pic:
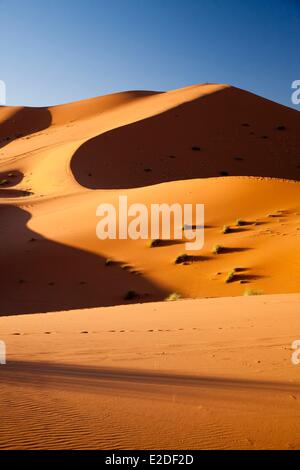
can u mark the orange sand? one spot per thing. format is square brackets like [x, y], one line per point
[214, 144]
[210, 373]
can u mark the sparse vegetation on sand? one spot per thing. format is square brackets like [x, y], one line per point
[173, 297]
[226, 229]
[249, 292]
[230, 276]
[217, 249]
[109, 262]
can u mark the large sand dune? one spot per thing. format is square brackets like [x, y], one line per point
[233, 151]
[133, 140]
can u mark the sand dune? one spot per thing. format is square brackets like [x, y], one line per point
[200, 131]
[171, 375]
[55, 179]
[187, 368]
[42, 236]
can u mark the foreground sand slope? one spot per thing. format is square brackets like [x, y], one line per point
[212, 373]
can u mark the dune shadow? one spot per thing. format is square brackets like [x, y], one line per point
[139, 154]
[245, 278]
[238, 229]
[40, 275]
[14, 193]
[228, 250]
[159, 243]
[187, 259]
[22, 123]
[260, 222]
[9, 179]
[124, 380]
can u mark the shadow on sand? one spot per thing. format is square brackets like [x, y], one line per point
[101, 379]
[161, 148]
[40, 275]
[8, 179]
[22, 123]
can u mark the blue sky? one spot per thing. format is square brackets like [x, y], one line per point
[63, 50]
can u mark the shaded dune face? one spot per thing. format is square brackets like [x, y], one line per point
[227, 133]
[22, 122]
[7, 181]
[40, 275]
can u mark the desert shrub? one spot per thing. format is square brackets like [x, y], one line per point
[217, 249]
[230, 276]
[173, 297]
[108, 262]
[226, 229]
[249, 292]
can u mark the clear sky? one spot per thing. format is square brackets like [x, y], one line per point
[57, 51]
